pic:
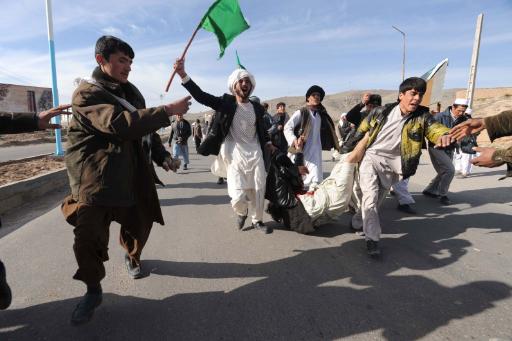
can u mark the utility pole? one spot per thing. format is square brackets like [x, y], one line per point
[474, 60]
[403, 59]
[55, 94]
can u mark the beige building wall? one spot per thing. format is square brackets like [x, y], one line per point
[15, 98]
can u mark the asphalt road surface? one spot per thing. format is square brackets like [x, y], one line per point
[21, 152]
[445, 273]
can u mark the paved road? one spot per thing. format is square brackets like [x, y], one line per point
[20, 152]
[445, 274]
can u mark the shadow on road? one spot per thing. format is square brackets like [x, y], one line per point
[317, 294]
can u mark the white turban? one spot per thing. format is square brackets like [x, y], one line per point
[236, 76]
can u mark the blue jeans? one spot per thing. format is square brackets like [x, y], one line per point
[180, 149]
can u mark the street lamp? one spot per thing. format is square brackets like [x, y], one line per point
[403, 60]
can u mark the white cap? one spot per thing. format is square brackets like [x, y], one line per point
[461, 101]
[343, 114]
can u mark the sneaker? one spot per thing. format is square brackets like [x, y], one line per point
[406, 208]
[357, 232]
[133, 270]
[185, 167]
[445, 201]
[372, 247]
[240, 221]
[430, 194]
[5, 290]
[85, 308]
[220, 181]
[259, 226]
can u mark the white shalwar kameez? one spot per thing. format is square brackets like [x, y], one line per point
[312, 148]
[242, 156]
[332, 196]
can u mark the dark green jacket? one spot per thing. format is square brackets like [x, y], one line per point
[498, 126]
[106, 163]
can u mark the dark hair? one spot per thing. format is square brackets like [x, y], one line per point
[107, 45]
[375, 99]
[280, 104]
[198, 121]
[415, 83]
[265, 105]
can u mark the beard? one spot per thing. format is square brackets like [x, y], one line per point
[243, 94]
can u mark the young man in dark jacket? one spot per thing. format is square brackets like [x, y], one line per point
[109, 172]
[13, 123]
[396, 132]
[239, 137]
[180, 132]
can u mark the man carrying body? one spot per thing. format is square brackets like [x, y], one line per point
[239, 139]
[303, 212]
[311, 130]
[110, 175]
[15, 123]
[396, 133]
[442, 158]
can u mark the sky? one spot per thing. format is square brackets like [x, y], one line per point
[338, 44]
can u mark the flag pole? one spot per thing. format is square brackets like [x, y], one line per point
[182, 56]
[55, 94]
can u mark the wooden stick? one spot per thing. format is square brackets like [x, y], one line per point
[182, 56]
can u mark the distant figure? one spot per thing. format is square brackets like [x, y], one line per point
[197, 133]
[181, 131]
[276, 131]
[442, 158]
[461, 157]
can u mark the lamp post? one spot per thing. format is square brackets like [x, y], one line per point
[403, 60]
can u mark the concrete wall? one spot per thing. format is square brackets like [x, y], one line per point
[18, 193]
[13, 98]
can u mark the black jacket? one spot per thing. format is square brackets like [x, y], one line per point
[283, 181]
[14, 123]
[225, 107]
[356, 115]
[327, 131]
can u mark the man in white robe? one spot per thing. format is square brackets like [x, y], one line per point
[310, 130]
[239, 140]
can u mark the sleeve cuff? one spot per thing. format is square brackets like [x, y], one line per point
[185, 79]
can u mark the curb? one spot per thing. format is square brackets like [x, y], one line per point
[17, 193]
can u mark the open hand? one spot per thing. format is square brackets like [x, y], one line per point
[45, 116]
[485, 157]
[468, 127]
[180, 106]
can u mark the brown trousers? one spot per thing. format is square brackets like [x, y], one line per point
[92, 234]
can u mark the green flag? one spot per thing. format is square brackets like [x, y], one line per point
[238, 61]
[225, 19]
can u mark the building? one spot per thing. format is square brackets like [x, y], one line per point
[23, 98]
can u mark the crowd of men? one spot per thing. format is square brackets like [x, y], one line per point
[278, 158]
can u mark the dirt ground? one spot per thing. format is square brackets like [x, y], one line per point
[16, 171]
[10, 140]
